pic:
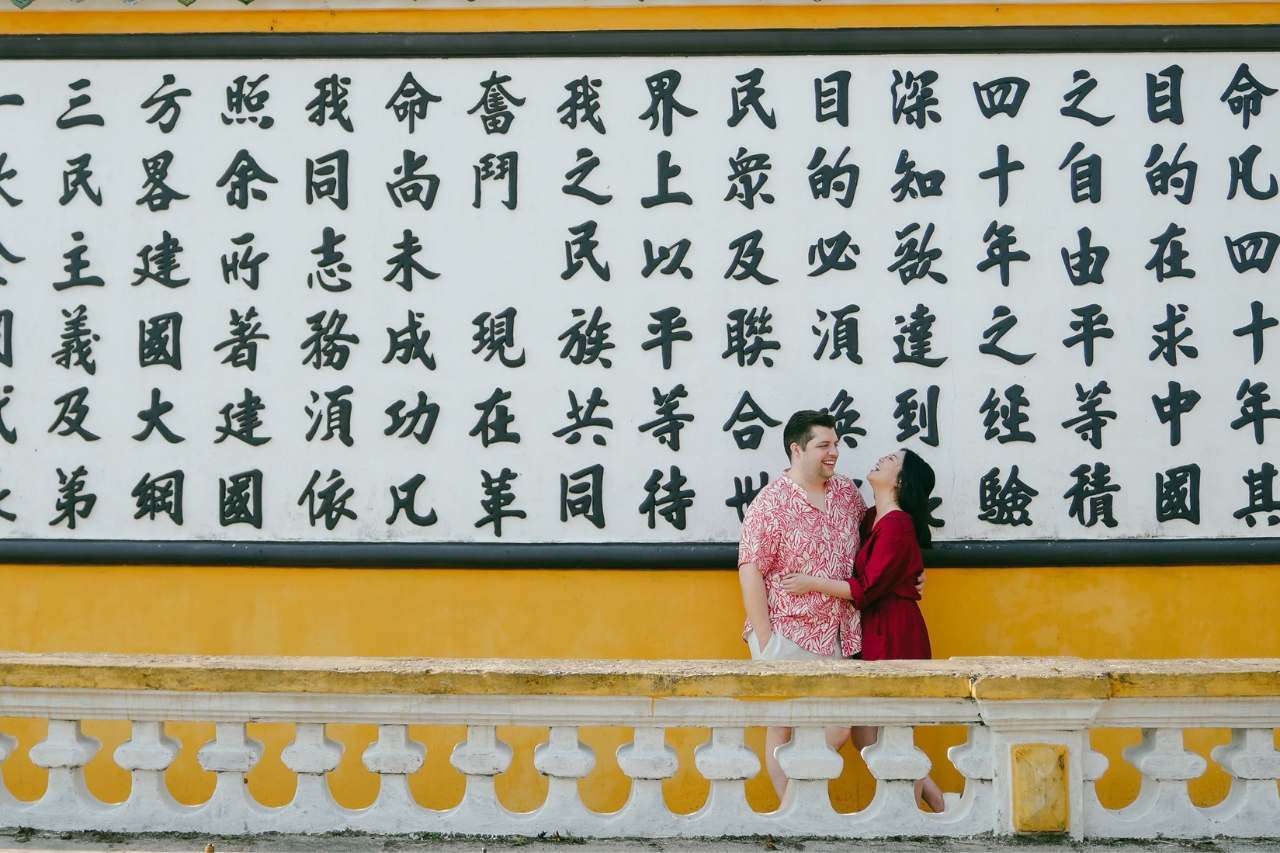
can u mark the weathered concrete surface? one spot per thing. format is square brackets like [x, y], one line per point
[18, 841]
[977, 677]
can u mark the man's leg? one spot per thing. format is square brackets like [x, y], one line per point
[774, 737]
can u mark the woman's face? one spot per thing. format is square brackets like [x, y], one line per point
[885, 474]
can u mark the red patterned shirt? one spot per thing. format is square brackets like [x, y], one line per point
[782, 532]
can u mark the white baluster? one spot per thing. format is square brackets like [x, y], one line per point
[1163, 806]
[394, 757]
[896, 763]
[67, 803]
[147, 755]
[564, 760]
[727, 763]
[311, 755]
[480, 757]
[647, 760]
[975, 760]
[810, 763]
[1252, 806]
[232, 809]
[8, 804]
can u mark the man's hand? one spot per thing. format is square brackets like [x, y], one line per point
[799, 584]
[920, 583]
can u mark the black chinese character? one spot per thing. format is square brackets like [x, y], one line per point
[231, 267]
[1164, 97]
[6, 338]
[333, 502]
[330, 102]
[1167, 261]
[830, 103]
[152, 418]
[159, 496]
[406, 502]
[327, 342]
[1163, 175]
[169, 106]
[240, 499]
[410, 343]
[1171, 409]
[244, 339]
[742, 185]
[160, 341]
[917, 333]
[496, 117]
[664, 195]
[582, 248]
[583, 416]
[1085, 266]
[498, 497]
[1178, 494]
[77, 178]
[839, 176]
[76, 264]
[587, 163]
[409, 420]
[1089, 423]
[844, 327]
[1008, 414]
[662, 100]
[1086, 175]
[1092, 324]
[914, 257]
[246, 97]
[410, 101]
[999, 250]
[916, 98]
[748, 254]
[747, 97]
[403, 264]
[585, 497]
[666, 427]
[497, 333]
[748, 410]
[329, 264]
[327, 178]
[586, 340]
[6, 174]
[745, 333]
[494, 420]
[1257, 325]
[241, 174]
[1095, 487]
[14, 259]
[158, 194]
[245, 415]
[411, 186]
[745, 493]
[583, 104]
[1001, 171]
[1004, 504]
[1004, 322]
[1244, 95]
[336, 415]
[1261, 484]
[833, 253]
[1253, 251]
[1002, 95]
[673, 255]
[669, 328]
[914, 183]
[165, 257]
[1242, 176]
[72, 414]
[1169, 341]
[77, 342]
[79, 101]
[9, 435]
[71, 502]
[846, 416]
[498, 167]
[913, 417]
[675, 500]
[1254, 397]
[1077, 95]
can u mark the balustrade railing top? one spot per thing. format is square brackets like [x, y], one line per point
[1028, 764]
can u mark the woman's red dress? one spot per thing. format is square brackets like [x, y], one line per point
[883, 588]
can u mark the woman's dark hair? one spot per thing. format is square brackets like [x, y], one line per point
[915, 485]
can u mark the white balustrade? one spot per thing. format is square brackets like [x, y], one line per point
[1001, 727]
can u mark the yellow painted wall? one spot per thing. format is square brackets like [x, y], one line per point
[1090, 612]
[1127, 612]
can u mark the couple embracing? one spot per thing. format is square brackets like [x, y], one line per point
[823, 576]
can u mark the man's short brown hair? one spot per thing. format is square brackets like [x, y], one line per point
[799, 428]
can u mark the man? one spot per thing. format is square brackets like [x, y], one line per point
[805, 521]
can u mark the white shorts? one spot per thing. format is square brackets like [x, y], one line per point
[780, 648]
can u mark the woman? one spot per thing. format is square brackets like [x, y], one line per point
[887, 570]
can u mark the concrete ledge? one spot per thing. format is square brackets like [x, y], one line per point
[977, 677]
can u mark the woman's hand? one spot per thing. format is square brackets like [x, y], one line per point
[799, 584]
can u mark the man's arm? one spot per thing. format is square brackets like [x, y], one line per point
[799, 584]
[756, 601]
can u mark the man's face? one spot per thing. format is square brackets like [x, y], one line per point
[818, 457]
